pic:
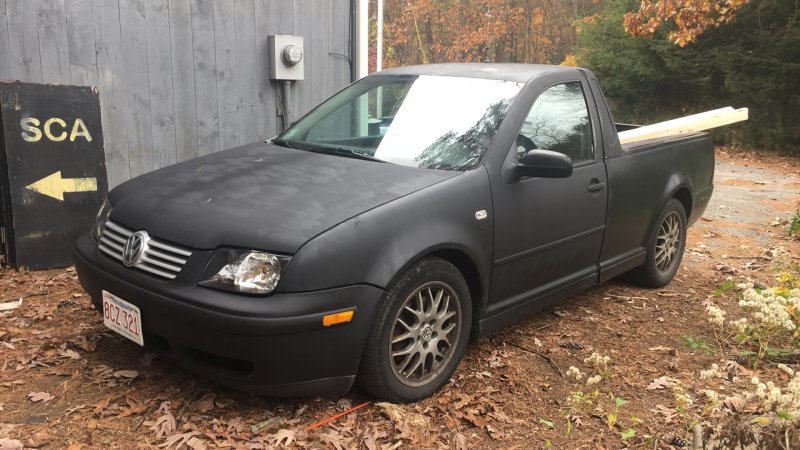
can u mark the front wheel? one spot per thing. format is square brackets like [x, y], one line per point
[665, 248]
[420, 333]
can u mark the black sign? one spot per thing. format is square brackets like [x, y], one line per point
[52, 170]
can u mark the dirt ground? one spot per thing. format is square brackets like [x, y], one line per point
[67, 382]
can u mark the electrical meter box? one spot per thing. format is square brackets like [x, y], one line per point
[285, 57]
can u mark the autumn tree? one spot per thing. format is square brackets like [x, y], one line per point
[689, 17]
[753, 61]
[526, 31]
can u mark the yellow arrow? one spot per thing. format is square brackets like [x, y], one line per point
[55, 186]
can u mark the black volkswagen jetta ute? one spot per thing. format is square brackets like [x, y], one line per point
[416, 209]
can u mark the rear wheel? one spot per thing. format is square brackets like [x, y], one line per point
[665, 249]
[419, 335]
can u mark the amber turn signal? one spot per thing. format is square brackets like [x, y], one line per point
[337, 318]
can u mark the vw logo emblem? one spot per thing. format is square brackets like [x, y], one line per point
[135, 248]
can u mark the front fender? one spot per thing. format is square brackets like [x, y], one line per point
[375, 246]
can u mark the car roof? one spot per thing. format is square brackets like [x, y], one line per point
[507, 72]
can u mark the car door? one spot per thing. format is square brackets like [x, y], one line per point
[548, 231]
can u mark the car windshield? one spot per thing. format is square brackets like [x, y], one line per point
[435, 122]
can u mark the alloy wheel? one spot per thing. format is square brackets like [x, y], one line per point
[668, 242]
[424, 333]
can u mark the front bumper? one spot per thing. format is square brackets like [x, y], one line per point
[272, 345]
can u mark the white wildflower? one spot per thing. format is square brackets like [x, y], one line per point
[786, 369]
[574, 372]
[594, 380]
[769, 309]
[740, 325]
[712, 396]
[715, 315]
[683, 399]
[598, 361]
[710, 373]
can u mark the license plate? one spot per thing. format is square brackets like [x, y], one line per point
[122, 317]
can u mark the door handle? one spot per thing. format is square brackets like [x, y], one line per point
[595, 185]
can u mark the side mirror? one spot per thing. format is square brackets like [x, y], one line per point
[545, 164]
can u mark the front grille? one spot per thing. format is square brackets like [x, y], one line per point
[160, 258]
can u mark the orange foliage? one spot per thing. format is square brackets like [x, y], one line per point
[525, 31]
[691, 17]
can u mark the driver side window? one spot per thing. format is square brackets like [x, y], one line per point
[558, 121]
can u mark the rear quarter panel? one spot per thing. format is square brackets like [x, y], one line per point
[642, 179]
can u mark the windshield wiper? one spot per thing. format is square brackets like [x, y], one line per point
[343, 151]
[283, 143]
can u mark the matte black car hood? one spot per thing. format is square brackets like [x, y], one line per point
[260, 196]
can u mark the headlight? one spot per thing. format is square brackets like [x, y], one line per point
[100, 221]
[245, 271]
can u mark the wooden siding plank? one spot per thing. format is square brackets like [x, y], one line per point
[246, 71]
[320, 27]
[266, 12]
[52, 28]
[23, 41]
[159, 66]
[339, 44]
[227, 97]
[205, 79]
[5, 51]
[180, 20]
[108, 47]
[285, 24]
[81, 43]
[133, 29]
[302, 97]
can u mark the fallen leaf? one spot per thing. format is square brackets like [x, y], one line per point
[133, 407]
[39, 439]
[735, 404]
[101, 405]
[7, 306]
[86, 346]
[371, 438]
[659, 383]
[668, 413]
[71, 354]
[267, 425]
[463, 401]
[130, 374]
[494, 433]
[177, 440]
[336, 440]
[10, 444]
[195, 443]
[400, 416]
[165, 424]
[205, 404]
[461, 441]
[283, 437]
[40, 397]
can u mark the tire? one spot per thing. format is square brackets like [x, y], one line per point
[665, 248]
[419, 334]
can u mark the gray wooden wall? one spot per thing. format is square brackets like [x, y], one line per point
[177, 78]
